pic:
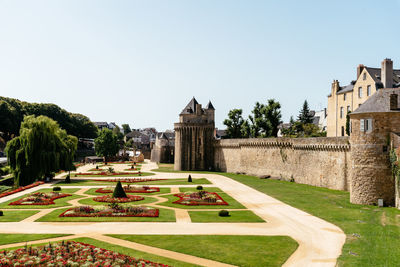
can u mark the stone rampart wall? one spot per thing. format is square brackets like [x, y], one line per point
[323, 162]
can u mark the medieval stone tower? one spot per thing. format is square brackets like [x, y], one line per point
[194, 137]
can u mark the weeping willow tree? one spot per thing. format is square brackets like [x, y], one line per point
[41, 149]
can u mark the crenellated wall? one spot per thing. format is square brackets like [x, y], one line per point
[323, 162]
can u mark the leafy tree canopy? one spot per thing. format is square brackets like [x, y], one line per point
[126, 128]
[265, 119]
[106, 144]
[41, 148]
[12, 112]
[234, 123]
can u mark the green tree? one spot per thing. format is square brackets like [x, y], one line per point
[305, 114]
[245, 129]
[41, 148]
[234, 123]
[126, 128]
[118, 133]
[106, 144]
[9, 120]
[265, 119]
[119, 191]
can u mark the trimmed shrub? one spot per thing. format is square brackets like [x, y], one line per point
[199, 187]
[223, 213]
[56, 188]
[1, 213]
[68, 179]
[97, 167]
[119, 191]
[190, 179]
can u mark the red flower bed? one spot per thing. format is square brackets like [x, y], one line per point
[22, 188]
[113, 210]
[110, 199]
[70, 253]
[129, 180]
[130, 189]
[39, 198]
[104, 173]
[199, 198]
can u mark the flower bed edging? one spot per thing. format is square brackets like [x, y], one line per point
[21, 189]
[129, 180]
[70, 253]
[127, 189]
[47, 201]
[110, 199]
[185, 199]
[91, 212]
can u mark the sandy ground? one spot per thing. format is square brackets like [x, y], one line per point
[320, 242]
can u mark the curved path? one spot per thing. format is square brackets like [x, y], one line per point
[320, 242]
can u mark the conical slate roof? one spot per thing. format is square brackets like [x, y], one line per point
[210, 105]
[191, 107]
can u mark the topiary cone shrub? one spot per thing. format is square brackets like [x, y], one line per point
[68, 179]
[199, 187]
[189, 179]
[1, 213]
[119, 191]
[223, 213]
[56, 188]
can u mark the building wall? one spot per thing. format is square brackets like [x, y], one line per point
[323, 162]
[352, 99]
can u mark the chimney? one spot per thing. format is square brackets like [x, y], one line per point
[393, 101]
[198, 109]
[359, 70]
[335, 86]
[387, 73]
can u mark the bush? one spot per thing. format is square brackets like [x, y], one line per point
[97, 167]
[189, 179]
[199, 187]
[223, 213]
[56, 188]
[68, 179]
[1, 213]
[119, 191]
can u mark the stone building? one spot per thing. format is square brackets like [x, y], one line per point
[194, 137]
[373, 128]
[163, 149]
[345, 99]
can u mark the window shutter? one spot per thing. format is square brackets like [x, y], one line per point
[361, 125]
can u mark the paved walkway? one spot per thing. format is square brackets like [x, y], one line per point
[320, 242]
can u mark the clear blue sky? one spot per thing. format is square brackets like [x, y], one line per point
[140, 62]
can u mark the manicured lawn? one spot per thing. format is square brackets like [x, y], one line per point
[143, 174]
[169, 167]
[90, 201]
[233, 204]
[79, 182]
[17, 238]
[235, 216]
[165, 216]
[163, 190]
[16, 215]
[373, 234]
[236, 250]
[60, 202]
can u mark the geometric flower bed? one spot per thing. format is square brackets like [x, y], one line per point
[113, 210]
[39, 198]
[129, 180]
[111, 199]
[130, 189]
[199, 198]
[104, 173]
[22, 188]
[69, 253]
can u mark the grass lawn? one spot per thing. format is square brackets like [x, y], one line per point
[78, 182]
[146, 200]
[16, 215]
[373, 234]
[233, 204]
[16, 238]
[143, 174]
[169, 167]
[165, 216]
[163, 190]
[235, 216]
[60, 202]
[236, 250]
